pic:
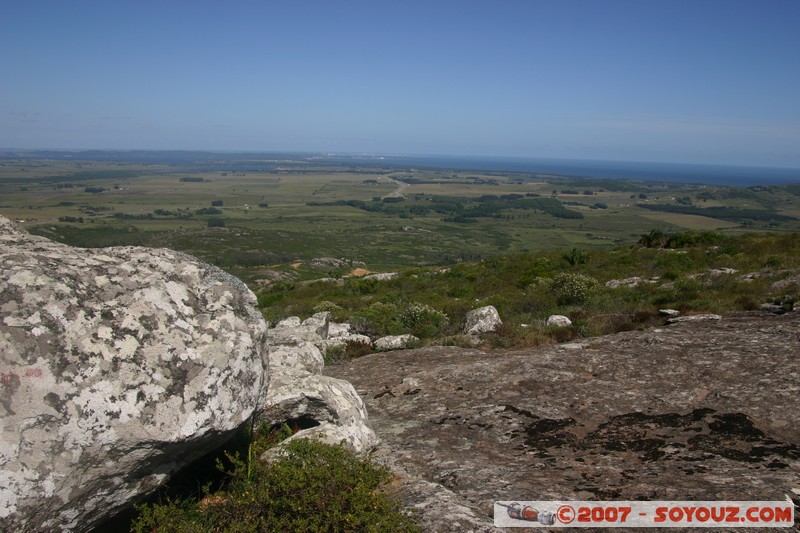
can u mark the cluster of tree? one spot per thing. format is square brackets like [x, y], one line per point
[71, 219]
[659, 239]
[731, 214]
[459, 209]
[129, 216]
[189, 179]
[94, 190]
[157, 213]
[452, 180]
[208, 211]
[488, 207]
[166, 213]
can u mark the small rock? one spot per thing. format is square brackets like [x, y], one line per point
[694, 318]
[559, 321]
[772, 308]
[721, 271]
[573, 346]
[291, 322]
[482, 320]
[395, 342]
[314, 329]
[411, 382]
[297, 353]
[784, 284]
[338, 330]
[669, 312]
[629, 282]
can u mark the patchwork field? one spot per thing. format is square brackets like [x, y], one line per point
[293, 211]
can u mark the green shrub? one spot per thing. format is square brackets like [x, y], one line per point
[378, 319]
[338, 313]
[312, 487]
[576, 257]
[423, 320]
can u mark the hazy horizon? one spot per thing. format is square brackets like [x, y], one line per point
[687, 82]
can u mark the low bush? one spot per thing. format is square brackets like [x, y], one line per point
[423, 320]
[312, 486]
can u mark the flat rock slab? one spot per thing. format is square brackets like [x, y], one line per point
[692, 411]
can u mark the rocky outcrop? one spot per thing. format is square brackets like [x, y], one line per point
[629, 282]
[314, 405]
[483, 320]
[698, 410]
[328, 263]
[382, 276]
[119, 366]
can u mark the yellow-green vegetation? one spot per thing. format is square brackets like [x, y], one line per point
[684, 271]
[505, 238]
[310, 486]
[281, 212]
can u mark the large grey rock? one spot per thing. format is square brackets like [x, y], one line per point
[482, 320]
[119, 366]
[703, 410]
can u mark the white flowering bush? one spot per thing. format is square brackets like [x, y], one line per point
[570, 288]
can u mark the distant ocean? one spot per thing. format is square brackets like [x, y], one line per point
[666, 172]
[199, 161]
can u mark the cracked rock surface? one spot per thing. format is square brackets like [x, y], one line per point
[119, 366]
[697, 410]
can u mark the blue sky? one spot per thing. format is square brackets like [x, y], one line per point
[694, 81]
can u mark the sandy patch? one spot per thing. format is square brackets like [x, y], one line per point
[359, 272]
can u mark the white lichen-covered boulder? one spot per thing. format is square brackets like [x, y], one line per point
[482, 320]
[119, 366]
